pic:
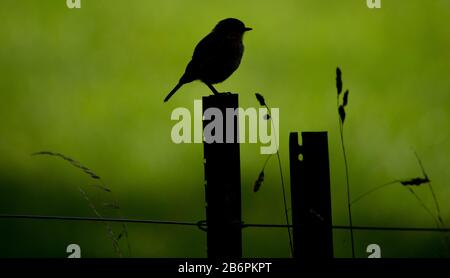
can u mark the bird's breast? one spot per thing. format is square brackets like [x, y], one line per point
[232, 53]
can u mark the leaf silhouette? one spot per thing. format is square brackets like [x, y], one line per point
[339, 81]
[259, 181]
[345, 100]
[267, 117]
[120, 235]
[342, 113]
[260, 99]
[415, 181]
[71, 161]
[101, 187]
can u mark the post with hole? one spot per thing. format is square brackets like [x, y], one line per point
[310, 196]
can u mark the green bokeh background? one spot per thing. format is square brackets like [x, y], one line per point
[89, 83]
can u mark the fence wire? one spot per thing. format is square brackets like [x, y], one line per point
[202, 224]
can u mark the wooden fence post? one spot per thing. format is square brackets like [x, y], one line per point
[310, 195]
[223, 181]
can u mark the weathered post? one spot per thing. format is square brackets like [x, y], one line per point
[223, 177]
[310, 195]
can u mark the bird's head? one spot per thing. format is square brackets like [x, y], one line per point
[231, 27]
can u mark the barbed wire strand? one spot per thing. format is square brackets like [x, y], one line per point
[202, 224]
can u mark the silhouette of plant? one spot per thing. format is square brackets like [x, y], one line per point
[260, 179]
[114, 205]
[424, 180]
[342, 116]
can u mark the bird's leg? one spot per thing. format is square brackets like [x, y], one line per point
[212, 88]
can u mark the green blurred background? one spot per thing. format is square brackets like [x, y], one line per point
[89, 83]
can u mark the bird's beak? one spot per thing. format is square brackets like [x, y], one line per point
[248, 29]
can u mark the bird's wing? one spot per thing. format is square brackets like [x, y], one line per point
[207, 48]
[206, 54]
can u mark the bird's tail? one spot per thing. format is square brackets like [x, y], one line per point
[173, 91]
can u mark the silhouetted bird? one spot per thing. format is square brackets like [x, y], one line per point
[216, 56]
